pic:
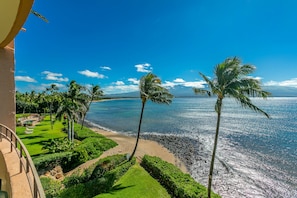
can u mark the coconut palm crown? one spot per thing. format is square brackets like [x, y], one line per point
[231, 80]
[151, 89]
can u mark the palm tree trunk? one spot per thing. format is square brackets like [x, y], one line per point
[214, 148]
[72, 130]
[51, 116]
[82, 124]
[138, 133]
[69, 129]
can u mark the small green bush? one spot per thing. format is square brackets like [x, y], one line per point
[58, 145]
[106, 164]
[77, 178]
[91, 148]
[177, 183]
[51, 187]
[103, 177]
[120, 170]
[84, 133]
[49, 161]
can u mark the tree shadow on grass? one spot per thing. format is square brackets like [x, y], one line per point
[32, 137]
[117, 188]
[39, 142]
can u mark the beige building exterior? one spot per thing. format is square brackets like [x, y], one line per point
[13, 14]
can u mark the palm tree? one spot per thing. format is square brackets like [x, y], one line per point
[231, 80]
[72, 106]
[52, 90]
[94, 92]
[151, 89]
[69, 109]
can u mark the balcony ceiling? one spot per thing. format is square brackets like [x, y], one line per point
[13, 14]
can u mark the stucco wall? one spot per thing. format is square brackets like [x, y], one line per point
[7, 86]
[4, 175]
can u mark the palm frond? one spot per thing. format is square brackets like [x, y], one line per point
[202, 91]
[246, 103]
[39, 15]
[151, 89]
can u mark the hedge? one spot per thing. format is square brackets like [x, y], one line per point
[177, 183]
[49, 161]
[92, 147]
[98, 182]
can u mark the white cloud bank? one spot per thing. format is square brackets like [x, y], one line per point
[54, 76]
[120, 87]
[286, 83]
[144, 68]
[182, 82]
[132, 85]
[24, 79]
[91, 74]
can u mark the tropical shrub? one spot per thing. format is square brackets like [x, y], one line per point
[49, 161]
[81, 134]
[58, 145]
[77, 178]
[98, 179]
[51, 187]
[177, 183]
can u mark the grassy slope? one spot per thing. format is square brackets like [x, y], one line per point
[42, 133]
[136, 183]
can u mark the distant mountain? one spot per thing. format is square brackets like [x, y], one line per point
[278, 91]
[182, 91]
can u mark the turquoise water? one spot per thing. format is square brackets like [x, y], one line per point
[262, 152]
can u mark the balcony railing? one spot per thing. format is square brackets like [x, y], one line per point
[26, 163]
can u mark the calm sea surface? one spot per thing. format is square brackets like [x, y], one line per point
[261, 152]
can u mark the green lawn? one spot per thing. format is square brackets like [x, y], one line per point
[42, 133]
[136, 183]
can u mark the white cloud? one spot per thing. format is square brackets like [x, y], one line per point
[119, 83]
[91, 74]
[169, 84]
[145, 68]
[120, 87]
[286, 83]
[195, 84]
[24, 79]
[179, 80]
[54, 76]
[256, 78]
[134, 81]
[105, 68]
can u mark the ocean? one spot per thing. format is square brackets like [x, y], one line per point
[260, 154]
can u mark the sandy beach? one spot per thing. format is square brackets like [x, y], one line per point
[126, 145]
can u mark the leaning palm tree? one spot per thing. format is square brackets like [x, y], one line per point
[151, 89]
[231, 80]
[94, 92]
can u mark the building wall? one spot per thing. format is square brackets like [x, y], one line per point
[7, 86]
[4, 176]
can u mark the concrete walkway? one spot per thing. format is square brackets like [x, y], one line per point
[19, 184]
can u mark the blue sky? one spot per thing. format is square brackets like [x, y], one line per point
[112, 43]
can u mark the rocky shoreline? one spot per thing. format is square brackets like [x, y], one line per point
[196, 157]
